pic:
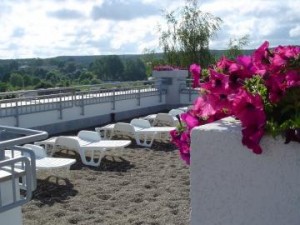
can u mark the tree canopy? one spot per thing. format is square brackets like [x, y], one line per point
[186, 38]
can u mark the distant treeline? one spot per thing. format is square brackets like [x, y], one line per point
[65, 71]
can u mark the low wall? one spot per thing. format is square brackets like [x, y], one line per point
[74, 118]
[88, 122]
[230, 185]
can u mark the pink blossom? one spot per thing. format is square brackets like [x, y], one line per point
[190, 120]
[204, 108]
[276, 85]
[292, 78]
[196, 71]
[223, 64]
[224, 94]
[218, 83]
[261, 57]
[251, 138]
[249, 109]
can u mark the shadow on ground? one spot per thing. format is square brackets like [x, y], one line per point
[53, 189]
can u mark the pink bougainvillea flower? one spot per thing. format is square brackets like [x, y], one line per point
[251, 138]
[261, 57]
[276, 84]
[292, 78]
[175, 136]
[218, 83]
[249, 109]
[185, 156]
[278, 62]
[287, 51]
[190, 120]
[203, 108]
[223, 64]
[196, 71]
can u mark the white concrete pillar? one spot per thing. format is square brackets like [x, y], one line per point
[172, 80]
[230, 185]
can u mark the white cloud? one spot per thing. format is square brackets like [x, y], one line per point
[35, 28]
[295, 32]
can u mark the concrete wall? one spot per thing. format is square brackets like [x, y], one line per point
[187, 99]
[94, 115]
[230, 185]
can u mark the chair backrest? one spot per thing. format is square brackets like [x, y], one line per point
[39, 151]
[65, 142]
[88, 135]
[175, 112]
[164, 119]
[124, 129]
[142, 123]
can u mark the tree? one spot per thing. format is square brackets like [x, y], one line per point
[43, 84]
[134, 70]
[3, 87]
[186, 39]
[54, 77]
[151, 59]
[108, 68]
[16, 80]
[235, 46]
[35, 81]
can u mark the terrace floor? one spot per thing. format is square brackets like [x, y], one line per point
[134, 186]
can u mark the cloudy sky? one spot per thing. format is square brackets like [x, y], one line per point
[49, 28]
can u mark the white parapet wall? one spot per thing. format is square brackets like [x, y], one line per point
[172, 81]
[230, 185]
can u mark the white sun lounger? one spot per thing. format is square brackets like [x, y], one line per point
[42, 161]
[88, 144]
[106, 132]
[142, 136]
[164, 119]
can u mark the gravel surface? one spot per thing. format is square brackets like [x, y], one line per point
[134, 186]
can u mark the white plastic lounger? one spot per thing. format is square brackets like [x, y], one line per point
[87, 144]
[141, 123]
[159, 133]
[90, 150]
[143, 136]
[42, 161]
[107, 131]
[175, 112]
[165, 119]
[84, 136]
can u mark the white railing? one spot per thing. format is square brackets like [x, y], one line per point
[17, 172]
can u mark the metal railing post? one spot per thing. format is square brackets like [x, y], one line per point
[82, 105]
[139, 97]
[60, 108]
[17, 115]
[114, 100]
[190, 92]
